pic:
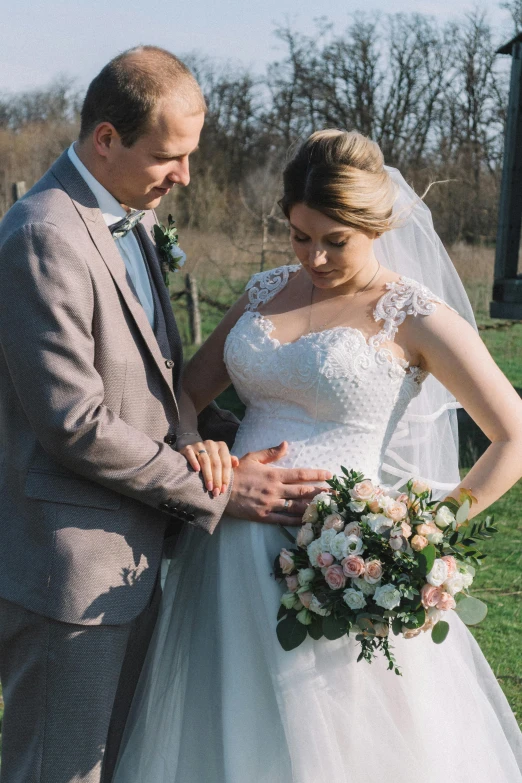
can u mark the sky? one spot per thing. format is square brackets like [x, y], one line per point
[42, 39]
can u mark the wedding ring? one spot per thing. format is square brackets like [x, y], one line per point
[286, 504]
[202, 451]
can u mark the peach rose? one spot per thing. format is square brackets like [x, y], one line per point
[446, 602]
[403, 497]
[333, 522]
[305, 535]
[395, 510]
[364, 490]
[286, 561]
[353, 529]
[451, 563]
[305, 598]
[325, 559]
[430, 531]
[430, 596]
[353, 566]
[406, 529]
[374, 506]
[292, 583]
[335, 578]
[372, 571]
[418, 487]
[418, 543]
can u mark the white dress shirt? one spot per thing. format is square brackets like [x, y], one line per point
[128, 245]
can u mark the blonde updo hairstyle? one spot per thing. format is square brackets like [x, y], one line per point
[342, 175]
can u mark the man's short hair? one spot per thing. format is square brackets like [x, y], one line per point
[127, 90]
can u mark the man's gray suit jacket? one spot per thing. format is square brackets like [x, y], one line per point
[88, 477]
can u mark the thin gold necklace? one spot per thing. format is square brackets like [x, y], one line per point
[355, 293]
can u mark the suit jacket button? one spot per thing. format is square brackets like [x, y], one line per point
[169, 439]
[169, 364]
[164, 507]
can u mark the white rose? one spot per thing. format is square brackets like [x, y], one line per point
[304, 617]
[313, 551]
[444, 517]
[378, 522]
[364, 586]
[354, 545]
[458, 582]
[340, 546]
[438, 574]
[387, 596]
[354, 598]
[177, 254]
[326, 498]
[318, 608]
[305, 576]
[290, 600]
[327, 537]
[357, 505]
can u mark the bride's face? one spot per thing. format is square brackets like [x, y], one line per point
[333, 254]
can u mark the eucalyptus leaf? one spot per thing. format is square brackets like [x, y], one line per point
[439, 631]
[315, 630]
[334, 627]
[471, 611]
[426, 558]
[291, 633]
[463, 512]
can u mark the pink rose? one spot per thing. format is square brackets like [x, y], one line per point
[406, 529]
[292, 583]
[353, 529]
[364, 490]
[325, 559]
[395, 510]
[305, 535]
[333, 522]
[425, 529]
[446, 602]
[403, 498]
[451, 563]
[353, 566]
[430, 596]
[305, 598]
[372, 571]
[418, 543]
[335, 578]
[286, 561]
[374, 506]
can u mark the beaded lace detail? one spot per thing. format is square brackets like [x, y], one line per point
[329, 393]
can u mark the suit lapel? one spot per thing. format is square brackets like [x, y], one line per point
[87, 207]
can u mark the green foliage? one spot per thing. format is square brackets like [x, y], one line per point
[439, 631]
[471, 610]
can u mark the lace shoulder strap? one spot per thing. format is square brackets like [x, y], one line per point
[263, 286]
[404, 297]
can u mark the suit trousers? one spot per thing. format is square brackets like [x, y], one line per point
[67, 691]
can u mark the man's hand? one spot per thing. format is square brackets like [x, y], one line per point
[263, 493]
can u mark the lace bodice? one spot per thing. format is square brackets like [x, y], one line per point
[333, 395]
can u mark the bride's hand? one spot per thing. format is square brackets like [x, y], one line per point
[215, 462]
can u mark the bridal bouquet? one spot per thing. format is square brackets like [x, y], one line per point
[369, 559]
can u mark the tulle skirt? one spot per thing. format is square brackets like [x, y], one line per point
[220, 702]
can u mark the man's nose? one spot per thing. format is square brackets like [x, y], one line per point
[180, 173]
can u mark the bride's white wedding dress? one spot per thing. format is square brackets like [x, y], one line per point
[219, 701]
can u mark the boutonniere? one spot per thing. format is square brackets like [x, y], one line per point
[167, 242]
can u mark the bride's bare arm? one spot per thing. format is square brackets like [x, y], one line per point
[452, 351]
[205, 375]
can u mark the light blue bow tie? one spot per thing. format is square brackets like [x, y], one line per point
[126, 224]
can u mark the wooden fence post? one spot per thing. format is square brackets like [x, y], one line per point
[18, 190]
[193, 309]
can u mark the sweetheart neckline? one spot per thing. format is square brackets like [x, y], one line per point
[402, 364]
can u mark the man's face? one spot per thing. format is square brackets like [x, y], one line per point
[141, 175]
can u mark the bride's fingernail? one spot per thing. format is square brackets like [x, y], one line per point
[224, 488]
[216, 492]
[210, 486]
